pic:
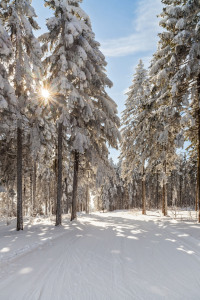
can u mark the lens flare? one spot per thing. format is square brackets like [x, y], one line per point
[45, 93]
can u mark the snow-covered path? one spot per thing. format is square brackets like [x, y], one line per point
[112, 256]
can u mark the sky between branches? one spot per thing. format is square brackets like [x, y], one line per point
[127, 31]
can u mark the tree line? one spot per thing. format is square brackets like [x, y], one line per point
[162, 110]
[54, 152]
[46, 144]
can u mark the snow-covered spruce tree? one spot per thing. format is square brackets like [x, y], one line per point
[162, 147]
[8, 101]
[76, 70]
[186, 80]
[134, 149]
[18, 18]
[167, 112]
[181, 20]
[8, 116]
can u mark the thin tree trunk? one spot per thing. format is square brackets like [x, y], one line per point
[55, 184]
[34, 187]
[135, 196]
[31, 192]
[180, 191]
[198, 164]
[12, 207]
[75, 185]
[133, 200]
[46, 199]
[67, 196]
[98, 203]
[143, 195]
[197, 192]
[164, 197]
[59, 180]
[157, 188]
[50, 185]
[24, 197]
[8, 208]
[164, 194]
[171, 190]
[19, 177]
[87, 200]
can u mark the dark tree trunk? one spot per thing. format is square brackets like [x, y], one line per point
[49, 198]
[75, 185]
[157, 189]
[198, 163]
[180, 191]
[197, 192]
[31, 191]
[59, 180]
[19, 177]
[34, 187]
[171, 190]
[67, 196]
[143, 194]
[46, 198]
[133, 200]
[55, 185]
[24, 196]
[164, 199]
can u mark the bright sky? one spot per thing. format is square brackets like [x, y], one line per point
[127, 31]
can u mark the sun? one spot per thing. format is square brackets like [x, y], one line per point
[45, 94]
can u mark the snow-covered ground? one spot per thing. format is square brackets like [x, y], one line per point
[106, 256]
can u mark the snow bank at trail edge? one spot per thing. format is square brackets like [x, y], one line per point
[37, 232]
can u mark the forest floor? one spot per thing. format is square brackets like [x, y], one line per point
[102, 256]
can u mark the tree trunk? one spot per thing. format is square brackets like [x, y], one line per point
[55, 184]
[8, 208]
[198, 163]
[87, 200]
[171, 190]
[98, 203]
[163, 199]
[67, 196]
[24, 197]
[180, 191]
[31, 192]
[75, 185]
[143, 195]
[34, 187]
[157, 189]
[50, 186]
[46, 199]
[19, 177]
[59, 180]
[197, 192]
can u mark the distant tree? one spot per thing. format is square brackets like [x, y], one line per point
[135, 131]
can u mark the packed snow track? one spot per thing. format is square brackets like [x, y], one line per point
[107, 256]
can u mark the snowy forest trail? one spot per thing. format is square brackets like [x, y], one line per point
[119, 255]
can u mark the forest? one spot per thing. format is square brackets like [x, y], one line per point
[74, 222]
[58, 121]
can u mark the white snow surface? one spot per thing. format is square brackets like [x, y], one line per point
[102, 256]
